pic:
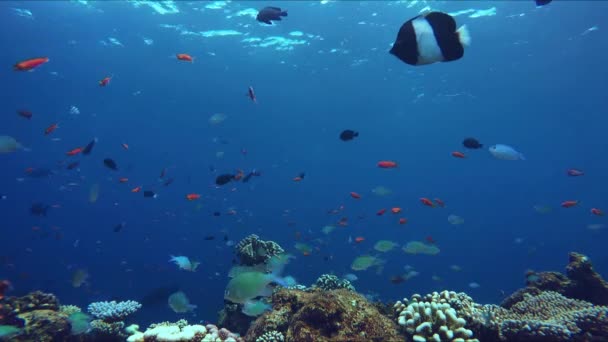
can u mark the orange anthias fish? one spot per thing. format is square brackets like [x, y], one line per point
[125, 146]
[192, 197]
[395, 210]
[251, 94]
[355, 195]
[299, 177]
[136, 189]
[30, 64]
[387, 164]
[123, 180]
[430, 240]
[402, 220]
[185, 57]
[105, 81]
[569, 204]
[381, 212]
[596, 211]
[359, 239]
[74, 152]
[51, 129]
[439, 202]
[427, 202]
[458, 154]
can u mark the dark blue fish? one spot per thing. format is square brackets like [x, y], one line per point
[72, 166]
[110, 164]
[87, 149]
[39, 209]
[267, 14]
[150, 194]
[542, 2]
[119, 227]
[224, 179]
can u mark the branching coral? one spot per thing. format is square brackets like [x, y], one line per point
[271, 336]
[113, 311]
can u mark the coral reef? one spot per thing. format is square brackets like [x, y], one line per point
[253, 251]
[330, 282]
[317, 315]
[432, 317]
[580, 282]
[69, 309]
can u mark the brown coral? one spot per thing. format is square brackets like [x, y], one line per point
[44, 325]
[337, 315]
[580, 282]
[253, 251]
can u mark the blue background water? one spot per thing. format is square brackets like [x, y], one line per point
[531, 81]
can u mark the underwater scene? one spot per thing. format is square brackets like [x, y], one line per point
[315, 170]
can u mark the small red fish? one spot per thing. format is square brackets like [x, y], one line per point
[387, 164]
[123, 180]
[74, 152]
[343, 222]
[29, 170]
[457, 154]
[439, 202]
[30, 64]
[251, 94]
[359, 239]
[299, 177]
[25, 114]
[430, 240]
[51, 129]
[136, 189]
[596, 211]
[185, 57]
[569, 204]
[381, 212]
[105, 81]
[355, 195]
[125, 146]
[395, 210]
[427, 202]
[192, 197]
[402, 220]
[575, 172]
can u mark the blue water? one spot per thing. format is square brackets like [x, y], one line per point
[532, 81]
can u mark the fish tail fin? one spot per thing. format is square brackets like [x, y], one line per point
[284, 13]
[464, 36]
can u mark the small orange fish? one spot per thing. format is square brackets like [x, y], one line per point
[74, 152]
[125, 146]
[136, 189]
[458, 154]
[30, 64]
[430, 240]
[596, 211]
[343, 222]
[239, 174]
[381, 212]
[387, 164]
[306, 253]
[192, 197]
[299, 177]
[51, 129]
[105, 81]
[123, 180]
[25, 113]
[569, 204]
[29, 170]
[185, 57]
[359, 239]
[439, 202]
[427, 202]
[402, 220]
[355, 195]
[395, 210]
